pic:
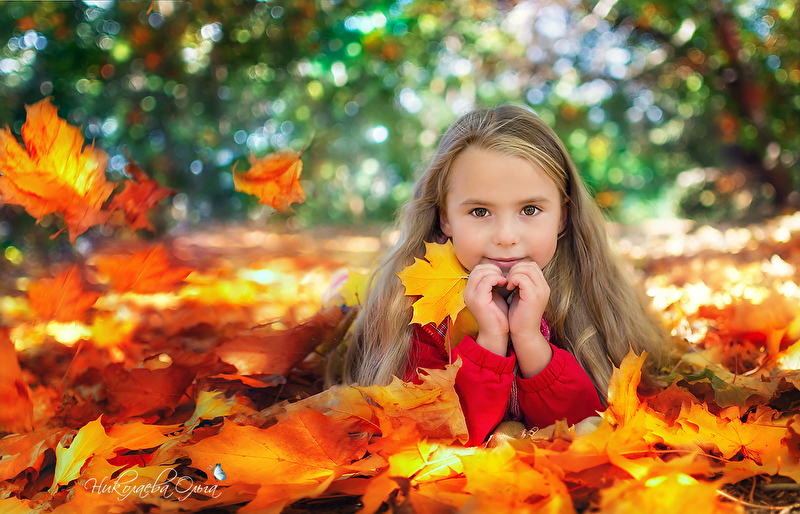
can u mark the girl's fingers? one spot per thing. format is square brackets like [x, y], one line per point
[523, 271]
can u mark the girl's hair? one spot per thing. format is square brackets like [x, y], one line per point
[593, 312]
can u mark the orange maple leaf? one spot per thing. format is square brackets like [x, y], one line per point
[61, 298]
[301, 452]
[439, 280]
[139, 196]
[23, 451]
[274, 179]
[54, 173]
[144, 272]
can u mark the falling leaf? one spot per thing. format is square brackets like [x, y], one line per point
[61, 298]
[144, 272]
[440, 280]
[54, 173]
[140, 195]
[274, 179]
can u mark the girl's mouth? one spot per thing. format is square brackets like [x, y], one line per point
[504, 263]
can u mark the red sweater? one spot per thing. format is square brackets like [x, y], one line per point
[484, 384]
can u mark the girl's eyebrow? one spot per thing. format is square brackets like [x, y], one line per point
[483, 203]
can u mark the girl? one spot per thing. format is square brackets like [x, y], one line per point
[552, 306]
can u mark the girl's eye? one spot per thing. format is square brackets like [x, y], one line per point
[529, 210]
[480, 212]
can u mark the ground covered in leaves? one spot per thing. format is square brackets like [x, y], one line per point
[186, 375]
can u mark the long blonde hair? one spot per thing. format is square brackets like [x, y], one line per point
[593, 312]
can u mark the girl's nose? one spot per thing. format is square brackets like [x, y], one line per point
[506, 235]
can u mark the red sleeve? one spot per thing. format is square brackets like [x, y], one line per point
[483, 383]
[561, 390]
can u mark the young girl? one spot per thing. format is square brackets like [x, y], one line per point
[553, 308]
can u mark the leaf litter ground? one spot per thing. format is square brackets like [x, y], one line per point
[187, 376]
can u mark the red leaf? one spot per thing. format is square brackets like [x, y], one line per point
[139, 196]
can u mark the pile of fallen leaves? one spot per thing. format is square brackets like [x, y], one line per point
[188, 375]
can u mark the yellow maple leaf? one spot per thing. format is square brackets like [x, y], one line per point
[439, 280]
[623, 401]
[92, 441]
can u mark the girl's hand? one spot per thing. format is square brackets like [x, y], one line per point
[488, 307]
[524, 317]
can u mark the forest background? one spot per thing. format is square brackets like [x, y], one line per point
[680, 108]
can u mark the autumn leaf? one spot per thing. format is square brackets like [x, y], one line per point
[13, 505]
[139, 196]
[263, 350]
[61, 298]
[759, 435]
[433, 405]
[623, 401]
[90, 440]
[93, 441]
[304, 449]
[676, 492]
[729, 389]
[23, 451]
[54, 173]
[274, 179]
[144, 272]
[17, 412]
[439, 280]
[141, 391]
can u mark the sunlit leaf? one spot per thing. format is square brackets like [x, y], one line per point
[439, 280]
[274, 179]
[54, 173]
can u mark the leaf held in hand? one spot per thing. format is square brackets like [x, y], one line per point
[274, 179]
[439, 280]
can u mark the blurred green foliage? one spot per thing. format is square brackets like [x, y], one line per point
[686, 107]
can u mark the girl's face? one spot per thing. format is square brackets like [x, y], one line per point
[501, 210]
